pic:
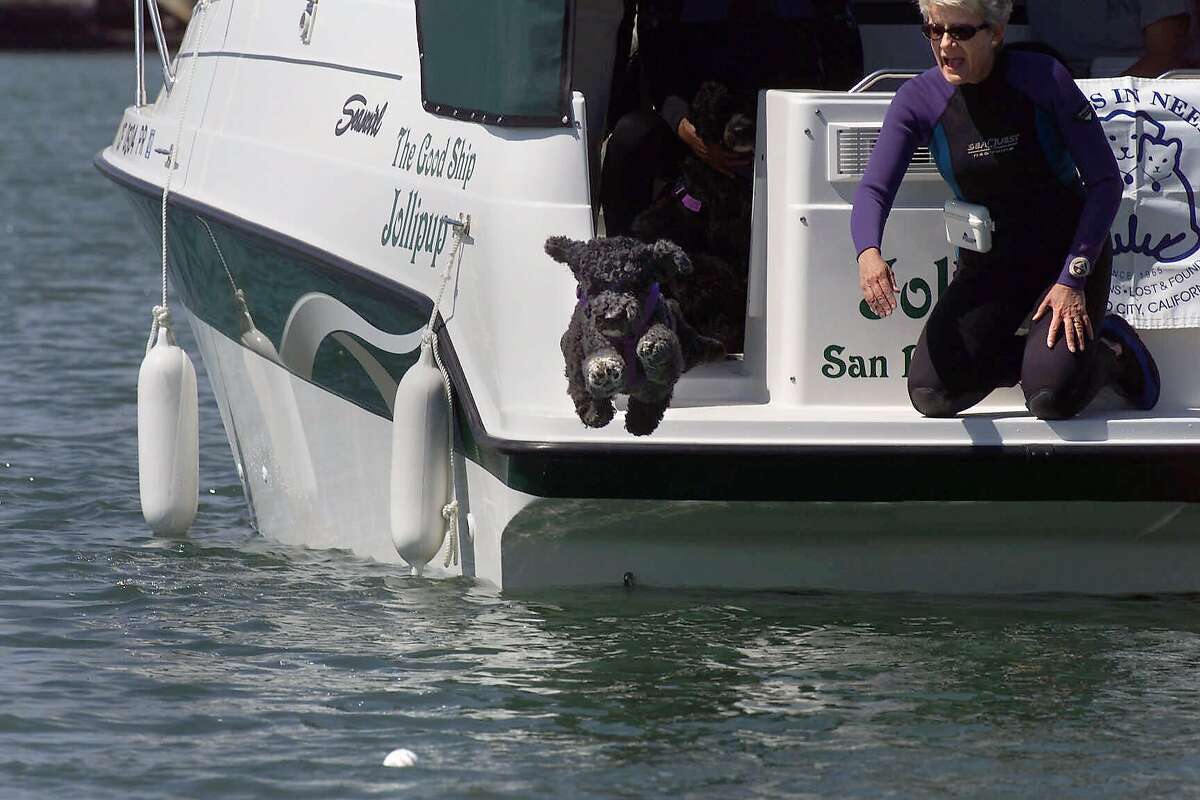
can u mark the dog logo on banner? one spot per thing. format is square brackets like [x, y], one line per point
[1153, 128]
[1149, 161]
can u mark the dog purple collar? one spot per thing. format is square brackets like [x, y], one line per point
[692, 204]
[628, 344]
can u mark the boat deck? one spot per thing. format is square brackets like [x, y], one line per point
[718, 405]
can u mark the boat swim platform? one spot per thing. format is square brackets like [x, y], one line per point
[878, 427]
[716, 404]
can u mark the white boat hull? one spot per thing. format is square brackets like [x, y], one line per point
[309, 261]
[521, 541]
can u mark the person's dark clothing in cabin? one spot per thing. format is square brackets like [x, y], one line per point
[747, 45]
[1130, 37]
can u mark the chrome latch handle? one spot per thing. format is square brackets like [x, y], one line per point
[308, 21]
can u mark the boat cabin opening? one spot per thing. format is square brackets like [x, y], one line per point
[799, 327]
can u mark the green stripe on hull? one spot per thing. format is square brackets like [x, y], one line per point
[271, 279]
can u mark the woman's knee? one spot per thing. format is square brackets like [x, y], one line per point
[1056, 382]
[925, 390]
[1051, 404]
[930, 402]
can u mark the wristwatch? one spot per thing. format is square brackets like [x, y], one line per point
[1080, 267]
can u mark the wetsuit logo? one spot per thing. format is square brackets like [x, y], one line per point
[993, 147]
[1086, 113]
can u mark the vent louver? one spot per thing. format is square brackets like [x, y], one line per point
[852, 150]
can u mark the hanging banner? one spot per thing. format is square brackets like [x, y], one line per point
[1153, 127]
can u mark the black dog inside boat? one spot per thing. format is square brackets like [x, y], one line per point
[707, 213]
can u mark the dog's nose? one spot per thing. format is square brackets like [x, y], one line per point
[740, 125]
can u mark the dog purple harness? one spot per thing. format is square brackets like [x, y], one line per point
[628, 344]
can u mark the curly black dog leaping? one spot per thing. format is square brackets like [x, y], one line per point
[624, 336]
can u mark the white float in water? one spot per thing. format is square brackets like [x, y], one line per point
[168, 437]
[420, 461]
[400, 758]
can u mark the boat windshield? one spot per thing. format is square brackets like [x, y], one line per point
[497, 61]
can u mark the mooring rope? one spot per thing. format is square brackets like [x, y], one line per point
[161, 314]
[430, 339]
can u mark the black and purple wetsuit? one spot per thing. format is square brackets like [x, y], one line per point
[1026, 143]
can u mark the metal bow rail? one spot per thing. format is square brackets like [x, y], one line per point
[881, 75]
[160, 39]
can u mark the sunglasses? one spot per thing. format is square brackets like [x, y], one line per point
[959, 33]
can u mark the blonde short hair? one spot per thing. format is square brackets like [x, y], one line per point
[994, 12]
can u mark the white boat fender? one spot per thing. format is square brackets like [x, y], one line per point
[168, 435]
[252, 338]
[420, 461]
[168, 419]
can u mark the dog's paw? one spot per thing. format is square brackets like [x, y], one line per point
[605, 375]
[654, 352]
[642, 418]
[660, 356]
[597, 415]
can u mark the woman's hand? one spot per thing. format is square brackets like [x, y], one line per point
[716, 156]
[1069, 309]
[877, 281]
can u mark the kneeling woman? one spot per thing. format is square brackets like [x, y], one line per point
[1010, 131]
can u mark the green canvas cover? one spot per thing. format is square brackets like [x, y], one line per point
[506, 61]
